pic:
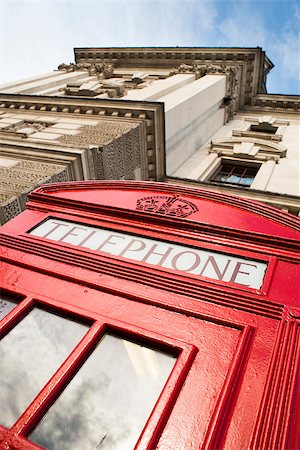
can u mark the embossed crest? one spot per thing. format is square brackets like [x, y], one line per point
[167, 206]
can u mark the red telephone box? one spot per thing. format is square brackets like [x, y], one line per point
[147, 315]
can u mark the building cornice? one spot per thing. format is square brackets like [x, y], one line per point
[283, 104]
[251, 64]
[150, 114]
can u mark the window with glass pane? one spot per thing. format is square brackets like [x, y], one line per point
[235, 174]
[29, 355]
[109, 400]
[6, 305]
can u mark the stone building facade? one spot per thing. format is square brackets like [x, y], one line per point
[198, 116]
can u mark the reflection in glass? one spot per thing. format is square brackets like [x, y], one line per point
[5, 306]
[109, 400]
[29, 355]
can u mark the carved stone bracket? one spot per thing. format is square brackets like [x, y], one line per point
[92, 89]
[102, 70]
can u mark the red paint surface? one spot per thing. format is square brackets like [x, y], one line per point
[209, 212]
[235, 384]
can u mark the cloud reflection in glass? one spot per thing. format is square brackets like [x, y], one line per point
[109, 400]
[29, 355]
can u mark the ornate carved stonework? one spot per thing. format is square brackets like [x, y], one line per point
[142, 122]
[97, 158]
[17, 181]
[36, 126]
[9, 210]
[102, 70]
[100, 134]
[115, 160]
[199, 69]
[167, 206]
[114, 89]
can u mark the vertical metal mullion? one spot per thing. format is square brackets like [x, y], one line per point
[243, 175]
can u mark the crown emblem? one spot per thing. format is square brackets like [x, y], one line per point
[166, 206]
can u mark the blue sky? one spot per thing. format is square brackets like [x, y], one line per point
[36, 36]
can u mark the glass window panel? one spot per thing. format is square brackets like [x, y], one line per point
[235, 174]
[29, 355]
[108, 402]
[5, 306]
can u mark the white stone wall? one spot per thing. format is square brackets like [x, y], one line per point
[285, 178]
[192, 115]
[281, 177]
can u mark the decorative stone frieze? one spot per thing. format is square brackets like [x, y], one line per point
[17, 181]
[249, 62]
[100, 134]
[9, 208]
[35, 126]
[143, 122]
[102, 70]
[116, 159]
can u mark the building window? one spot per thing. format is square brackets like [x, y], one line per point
[264, 127]
[235, 174]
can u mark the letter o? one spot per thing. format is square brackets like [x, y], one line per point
[179, 255]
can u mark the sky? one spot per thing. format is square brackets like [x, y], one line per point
[36, 36]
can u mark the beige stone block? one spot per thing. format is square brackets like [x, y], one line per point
[47, 119]
[26, 130]
[61, 131]
[8, 163]
[47, 136]
[80, 121]
[4, 125]
[26, 117]
[5, 114]
[11, 121]
[67, 126]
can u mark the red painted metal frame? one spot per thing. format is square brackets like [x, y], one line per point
[244, 392]
[163, 235]
[99, 326]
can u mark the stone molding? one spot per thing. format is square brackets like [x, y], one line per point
[129, 143]
[102, 70]
[258, 149]
[274, 103]
[252, 63]
[150, 114]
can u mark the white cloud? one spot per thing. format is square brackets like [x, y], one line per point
[249, 27]
[38, 35]
[243, 28]
[286, 49]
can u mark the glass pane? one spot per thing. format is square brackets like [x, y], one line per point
[108, 402]
[29, 355]
[5, 306]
